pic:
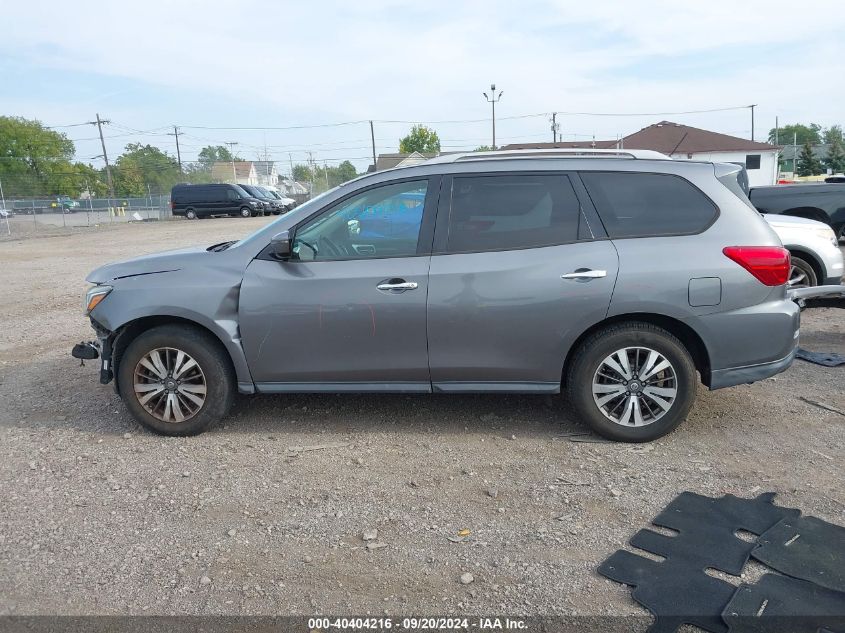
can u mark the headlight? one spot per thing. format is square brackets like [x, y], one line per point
[826, 233]
[94, 296]
[254, 203]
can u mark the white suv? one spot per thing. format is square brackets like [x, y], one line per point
[816, 258]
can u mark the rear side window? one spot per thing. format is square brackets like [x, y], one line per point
[644, 205]
[512, 211]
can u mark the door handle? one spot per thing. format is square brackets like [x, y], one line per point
[405, 285]
[585, 274]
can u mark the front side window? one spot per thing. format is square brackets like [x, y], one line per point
[380, 222]
[633, 204]
[231, 194]
[512, 211]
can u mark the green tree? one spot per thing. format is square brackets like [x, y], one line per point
[211, 154]
[36, 161]
[483, 148]
[302, 173]
[808, 165]
[142, 166]
[833, 133]
[835, 159]
[797, 132]
[420, 139]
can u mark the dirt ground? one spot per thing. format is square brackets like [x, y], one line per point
[99, 516]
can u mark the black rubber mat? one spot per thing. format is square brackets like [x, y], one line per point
[778, 604]
[828, 359]
[806, 548]
[676, 590]
[707, 529]
[672, 591]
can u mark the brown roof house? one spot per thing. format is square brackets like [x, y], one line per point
[684, 142]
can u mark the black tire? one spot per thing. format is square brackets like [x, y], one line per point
[805, 268]
[191, 214]
[209, 354]
[590, 356]
[246, 212]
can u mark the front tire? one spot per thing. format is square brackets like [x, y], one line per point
[632, 382]
[802, 274]
[176, 380]
[246, 212]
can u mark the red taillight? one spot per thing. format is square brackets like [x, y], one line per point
[769, 264]
[172, 206]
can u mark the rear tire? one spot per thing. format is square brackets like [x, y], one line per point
[190, 214]
[802, 274]
[150, 367]
[639, 407]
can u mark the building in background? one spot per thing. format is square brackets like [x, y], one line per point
[683, 142]
[266, 173]
[237, 172]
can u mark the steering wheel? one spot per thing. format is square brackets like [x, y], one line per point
[331, 249]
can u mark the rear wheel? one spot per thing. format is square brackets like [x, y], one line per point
[632, 382]
[246, 212]
[801, 274]
[191, 214]
[176, 380]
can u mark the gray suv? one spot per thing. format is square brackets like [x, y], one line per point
[616, 276]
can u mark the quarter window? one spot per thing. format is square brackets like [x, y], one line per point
[381, 222]
[635, 204]
[511, 212]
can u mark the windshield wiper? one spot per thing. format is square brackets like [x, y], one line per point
[222, 246]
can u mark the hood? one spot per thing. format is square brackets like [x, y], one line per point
[147, 264]
[790, 221]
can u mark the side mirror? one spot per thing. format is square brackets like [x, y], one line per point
[281, 246]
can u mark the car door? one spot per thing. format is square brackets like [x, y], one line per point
[348, 310]
[520, 268]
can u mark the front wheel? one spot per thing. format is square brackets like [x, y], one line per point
[176, 380]
[246, 212]
[801, 274]
[632, 382]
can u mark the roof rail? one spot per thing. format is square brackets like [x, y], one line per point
[567, 152]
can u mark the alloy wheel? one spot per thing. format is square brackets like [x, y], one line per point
[170, 385]
[797, 278]
[635, 386]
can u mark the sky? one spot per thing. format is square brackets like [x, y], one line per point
[290, 78]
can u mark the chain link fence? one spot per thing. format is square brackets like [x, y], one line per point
[27, 216]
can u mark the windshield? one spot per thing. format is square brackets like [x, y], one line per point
[264, 193]
[301, 211]
[243, 193]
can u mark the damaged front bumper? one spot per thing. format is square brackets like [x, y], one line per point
[801, 295]
[101, 348]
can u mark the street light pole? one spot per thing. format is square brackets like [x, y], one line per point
[492, 99]
[3, 206]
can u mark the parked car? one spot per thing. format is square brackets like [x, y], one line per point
[271, 205]
[288, 203]
[6, 213]
[815, 255]
[823, 202]
[66, 204]
[835, 178]
[203, 201]
[617, 276]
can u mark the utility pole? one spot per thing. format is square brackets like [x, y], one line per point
[555, 128]
[290, 157]
[311, 170]
[373, 139]
[3, 206]
[178, 153]
[231, 145]
[752, 106]
[492, 99]
[776, 130]
[99, 123]
[326, 170]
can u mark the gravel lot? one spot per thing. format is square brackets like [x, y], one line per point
[101, 517]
